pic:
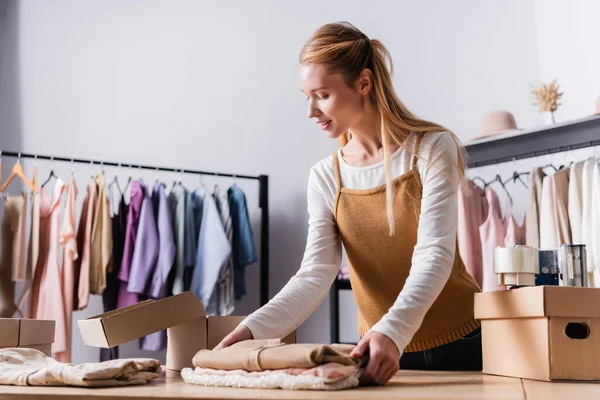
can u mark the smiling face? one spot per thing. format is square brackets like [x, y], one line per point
[332, 104]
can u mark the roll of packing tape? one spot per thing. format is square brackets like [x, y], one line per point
[517, 265]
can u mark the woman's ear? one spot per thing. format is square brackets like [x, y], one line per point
[364, 83]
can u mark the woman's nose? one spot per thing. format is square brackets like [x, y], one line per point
[312, 110]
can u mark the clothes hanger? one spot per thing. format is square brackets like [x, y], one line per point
[516, 175]
[498, 179]
[52, 174]
[17, 171]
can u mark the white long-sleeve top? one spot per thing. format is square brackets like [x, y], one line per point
[432, 258]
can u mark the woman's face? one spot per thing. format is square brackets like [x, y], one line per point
[333, 105]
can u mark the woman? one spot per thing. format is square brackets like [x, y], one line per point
[389, 196]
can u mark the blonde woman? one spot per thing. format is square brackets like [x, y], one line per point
[389, 195]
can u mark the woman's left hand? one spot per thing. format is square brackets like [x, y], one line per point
[384, 358]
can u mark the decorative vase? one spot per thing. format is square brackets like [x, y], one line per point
[549, 118]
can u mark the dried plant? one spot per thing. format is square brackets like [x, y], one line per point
[547, 96]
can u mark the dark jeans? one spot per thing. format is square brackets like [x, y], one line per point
[463, 354]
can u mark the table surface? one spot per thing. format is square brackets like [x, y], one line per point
[406, 385]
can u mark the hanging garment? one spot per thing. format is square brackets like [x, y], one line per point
[224, 288]
[554, 221]
[213, 250]
[190, 242]
[287, 366]
[575, 207]
[145, 253]
[178, 214]
[596, 224]
[157, 341]
[84, 239]
[32, 252]
[492, 233]
[472, 210]
[166, 243]
[110, 297]
[532, 215]
[47, 301]
[101, 247]
[244, 252]
[588, 205]
[515, 233]
[29, 367]
[12, 261]
[68, 239]
[133, 219]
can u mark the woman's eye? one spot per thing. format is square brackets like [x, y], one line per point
[324, 97]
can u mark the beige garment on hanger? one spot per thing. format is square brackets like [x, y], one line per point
[554, 217]
[81, 290]
[12, 261]
[101, 245]
[575, 207]
[532, 215]
[33, 249]
[587, 207]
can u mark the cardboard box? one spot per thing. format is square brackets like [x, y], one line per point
[188, 328]
[31, 333]
[218, 327]
[542, 332]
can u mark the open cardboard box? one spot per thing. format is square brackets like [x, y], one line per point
[30, 333]
[542, 332]
[188, 328]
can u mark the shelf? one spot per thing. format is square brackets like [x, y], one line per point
[554, 138]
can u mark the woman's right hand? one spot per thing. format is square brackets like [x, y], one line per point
[240, 333]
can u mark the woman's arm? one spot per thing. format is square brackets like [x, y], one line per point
[433, 254]
[310, 285]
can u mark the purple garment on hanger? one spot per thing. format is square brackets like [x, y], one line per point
[133, 218]
[145, 253]
[166, 243]
[166, 257]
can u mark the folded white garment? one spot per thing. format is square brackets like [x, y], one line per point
[331, 376]
[30, 367]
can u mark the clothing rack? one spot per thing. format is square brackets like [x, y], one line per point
[556, 138]
[263, 199]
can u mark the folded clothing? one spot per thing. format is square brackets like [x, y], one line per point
[260, 355]
[272, 364]
[30, 367]
[331, 376]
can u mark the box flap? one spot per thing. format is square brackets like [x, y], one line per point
[35, 331]
[9, 332]
[129, 323]
[538, 301]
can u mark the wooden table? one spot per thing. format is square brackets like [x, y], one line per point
[406, 385]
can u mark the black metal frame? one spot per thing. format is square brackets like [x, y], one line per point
[536, 142]
[263, 200]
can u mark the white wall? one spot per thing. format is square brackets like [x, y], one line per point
[568, 34]
[214, 85]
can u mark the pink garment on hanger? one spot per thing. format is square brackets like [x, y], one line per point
[515, 233]
[68, 239]
[492, 233]
[472, 211]
[47, 294]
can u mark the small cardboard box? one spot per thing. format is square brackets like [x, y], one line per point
[31, 333]
[542, 332]
[188, 328]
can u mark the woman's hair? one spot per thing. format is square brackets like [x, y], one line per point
[344, 49]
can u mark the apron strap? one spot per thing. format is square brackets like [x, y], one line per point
[336, 170]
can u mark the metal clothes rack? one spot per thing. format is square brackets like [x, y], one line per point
[263, 199]
[584, 132]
